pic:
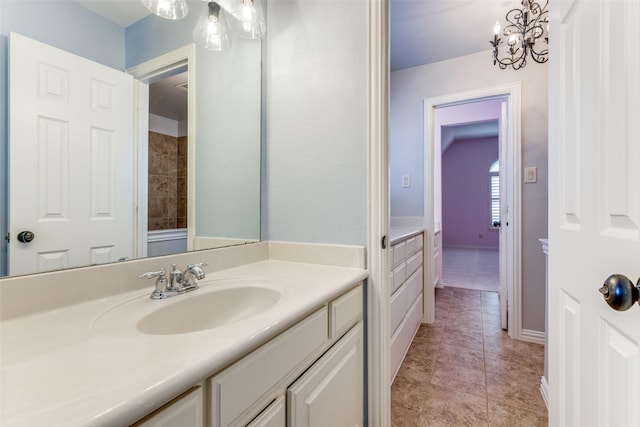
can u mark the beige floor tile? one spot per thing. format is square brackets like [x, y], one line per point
[464, 370]
[448, 407]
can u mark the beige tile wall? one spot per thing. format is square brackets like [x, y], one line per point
[167, 182]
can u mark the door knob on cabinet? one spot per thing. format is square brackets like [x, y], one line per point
[619, 292]
[26, 236]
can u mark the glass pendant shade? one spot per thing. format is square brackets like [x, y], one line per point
[249, 22]
[211, 31]
[168, 9]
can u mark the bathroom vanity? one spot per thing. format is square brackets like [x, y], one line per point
[283, 347]
[405, 291]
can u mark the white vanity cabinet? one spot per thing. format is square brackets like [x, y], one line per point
[185, 410]
[405, 301]
[313, 369]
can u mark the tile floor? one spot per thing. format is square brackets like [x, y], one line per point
[471, 268]
[465, 371]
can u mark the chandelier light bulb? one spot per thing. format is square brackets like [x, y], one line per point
[249, 20]
[211, 31]
[496, 28]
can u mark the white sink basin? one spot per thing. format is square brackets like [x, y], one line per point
[203, 309]
[208, 310]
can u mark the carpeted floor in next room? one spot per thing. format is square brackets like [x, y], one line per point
[465, 371]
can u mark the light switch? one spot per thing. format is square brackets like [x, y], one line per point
[406, 180]
[530, 175]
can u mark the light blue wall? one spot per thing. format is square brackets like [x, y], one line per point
[62, 24]
[228, 109]
[316, 119]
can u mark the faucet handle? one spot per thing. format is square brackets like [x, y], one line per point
[151, 274]
[200, 264]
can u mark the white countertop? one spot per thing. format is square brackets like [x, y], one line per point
[57, 370]
[401, 232]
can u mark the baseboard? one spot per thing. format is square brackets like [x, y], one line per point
[166, 235]
[544, 390]
[536, 337]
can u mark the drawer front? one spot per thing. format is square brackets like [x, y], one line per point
[414, 285]
[397, 309]
[236, 389]
[419, 241]
[399, 253]
[345, 312]
[185, 410]
[274, 416]
[399, 277]
[414, 263]
[412, 245]
[402, 339]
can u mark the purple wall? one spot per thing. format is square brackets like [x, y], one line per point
[465, 193]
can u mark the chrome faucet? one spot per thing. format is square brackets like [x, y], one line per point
[179, 282]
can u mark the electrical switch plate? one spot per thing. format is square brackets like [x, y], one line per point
[530, 175]
[406, 181]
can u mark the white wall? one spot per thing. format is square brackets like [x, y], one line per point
[411, 86]
[316, 121]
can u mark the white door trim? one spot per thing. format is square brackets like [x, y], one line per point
[145, 73]
[379, 387]
[514, 277]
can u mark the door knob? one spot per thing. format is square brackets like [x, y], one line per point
[26, 236]
[619, 292]
[496, 223]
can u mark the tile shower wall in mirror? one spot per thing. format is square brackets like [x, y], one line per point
[227, 139]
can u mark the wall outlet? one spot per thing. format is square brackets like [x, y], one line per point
[530, 175]
[406, 181]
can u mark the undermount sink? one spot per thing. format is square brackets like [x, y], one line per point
[203, 309]
[208, 310]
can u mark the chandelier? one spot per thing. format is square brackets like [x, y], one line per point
[526, 33]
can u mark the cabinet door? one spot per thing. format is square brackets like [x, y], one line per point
[184, 411]
[274, 416]
[330, 393]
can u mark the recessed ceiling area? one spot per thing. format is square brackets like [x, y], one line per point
[121, 12]
[168, 97]
[427, 31]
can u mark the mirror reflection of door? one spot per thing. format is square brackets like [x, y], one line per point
[167, 167]
[71, 146]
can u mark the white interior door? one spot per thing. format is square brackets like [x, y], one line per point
[594, 210]
[71, 157]
[503, 244]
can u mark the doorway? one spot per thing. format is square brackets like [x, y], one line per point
[508, 98]
[165, 226]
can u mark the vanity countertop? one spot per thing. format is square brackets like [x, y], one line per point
[56, 369]
[401, 232]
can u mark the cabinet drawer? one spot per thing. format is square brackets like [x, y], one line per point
[237, 388]
[399, 253]
[274, 416]
[414, 263]
[414, 285]
[412, 245]
[185, 410]
[404, 334]
[397, 309]
[399, 276]
[345, 312]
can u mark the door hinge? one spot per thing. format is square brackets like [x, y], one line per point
[8, 237]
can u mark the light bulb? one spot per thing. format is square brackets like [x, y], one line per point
[168, 9]
[249, 21]
[496, 28]
[211, 31]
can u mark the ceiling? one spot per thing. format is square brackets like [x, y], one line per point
[422, 31]
[426, 31]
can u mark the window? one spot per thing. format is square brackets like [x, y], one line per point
[494, 195]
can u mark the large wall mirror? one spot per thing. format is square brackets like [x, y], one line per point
[120, 137]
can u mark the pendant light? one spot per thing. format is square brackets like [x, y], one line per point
[168, 9]
[249, 22]
[211, 31]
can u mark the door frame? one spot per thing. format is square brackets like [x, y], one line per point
[513, 175]
[144, 74]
